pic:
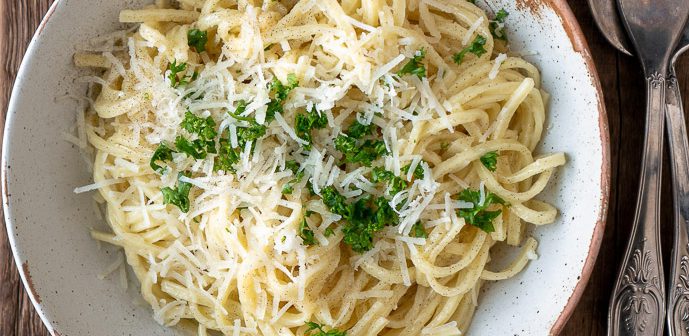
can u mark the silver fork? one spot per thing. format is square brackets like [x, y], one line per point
[638, 301]
[606, 16]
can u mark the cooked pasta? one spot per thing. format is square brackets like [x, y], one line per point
[295, 167]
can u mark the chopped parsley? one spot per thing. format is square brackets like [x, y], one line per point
[176, 69]
[203, 127]
[358, 130]
[364, 153]
[415, 66]
[198, 149]
[228, 156]
[304, 123]
[320, 331]
[418, 171]
[178, 196]
[197, 39]
[359, 228]
[237, 114]
[418, 231]
[280, 92]
[335, 202]
[363, 218]
[357, 151]
[497, 26]
[501, 15]
[306, 234]
[162, 153]
[490, 160]
[252, 133]
[385, 215]
[288, 188]
[476, 47]
[479, 215]
[292, 165]
[395, 183]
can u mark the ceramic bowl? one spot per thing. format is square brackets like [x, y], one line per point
[48, 224]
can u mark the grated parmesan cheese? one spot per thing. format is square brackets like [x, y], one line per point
[241, 243]
[496, 66]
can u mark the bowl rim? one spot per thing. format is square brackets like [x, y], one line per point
[578, 40]
[580, 45]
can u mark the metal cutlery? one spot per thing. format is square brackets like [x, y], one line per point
[608, 21]
[638, 301]
[606, 16]
[678, 288]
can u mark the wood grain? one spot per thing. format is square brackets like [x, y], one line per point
[18, 21]
[622, 85]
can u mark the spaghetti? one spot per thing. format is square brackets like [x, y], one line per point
[275, 167]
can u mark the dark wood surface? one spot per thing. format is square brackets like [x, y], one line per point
[622, 85]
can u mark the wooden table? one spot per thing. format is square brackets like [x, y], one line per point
[622, 84]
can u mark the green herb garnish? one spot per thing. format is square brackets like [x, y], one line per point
[292, 165]
[359, 228]
[237, 114]
[358, 130]
[197, 39]
[385, 215]
[501, 15]
[203, 127]
[335, 202]
[418, 171]
[395, 183]
[178, 196]
[162, 153]
[251, 133]
[228, 156]
[304, 123]
[478, 215]
[364, 153]
[363, 218]
[320, 331]
[175, 69]
[497, 26]
[198, 149]
[280, 92]
[357, 151]
[418, 231]
[305, 233]
[490, 160]
[414, 66]
[476, 47]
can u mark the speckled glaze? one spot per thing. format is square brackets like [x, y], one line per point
[48, 224]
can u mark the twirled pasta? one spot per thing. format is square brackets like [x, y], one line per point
[235, 263]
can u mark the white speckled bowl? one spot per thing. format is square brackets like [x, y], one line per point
[48, 224]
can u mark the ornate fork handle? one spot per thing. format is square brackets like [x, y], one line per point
[638, 301]
[678, 296]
